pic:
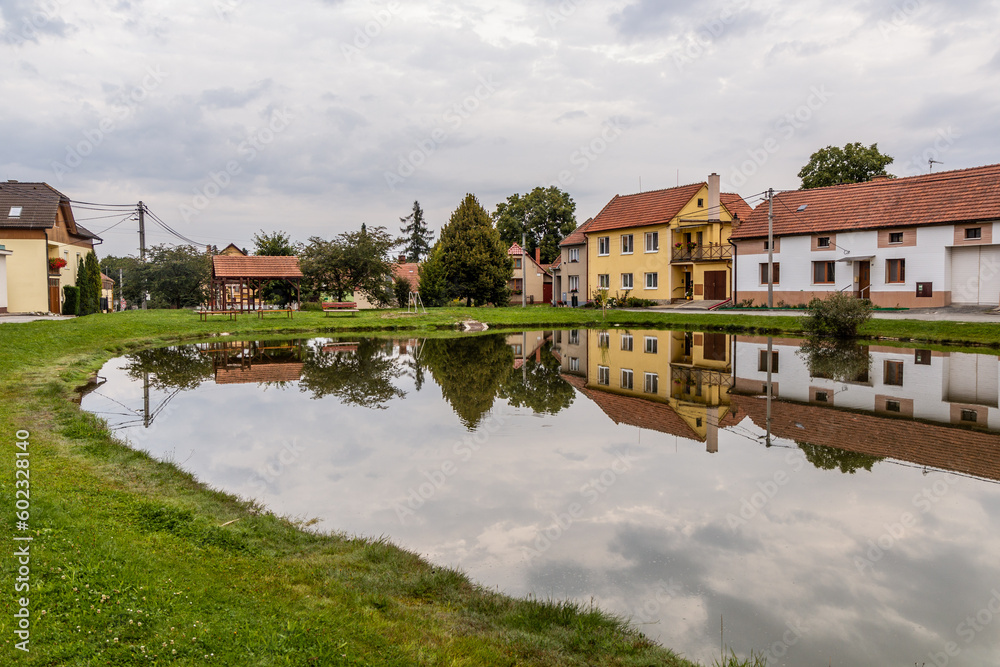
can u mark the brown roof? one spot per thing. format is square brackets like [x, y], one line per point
[578, 236]
[646, 208]
[40, 204]
[736, 205]
[260, 373]
[649, 415]
[934, 445]
[257, 266]
[409, 270]
[967, 195]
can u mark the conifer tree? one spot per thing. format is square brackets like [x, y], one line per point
[416, 237]
[475, 263]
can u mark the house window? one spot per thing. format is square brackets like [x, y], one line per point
[971, 233]
[894, 373]
[604, 375]
[517, 262]
[627, 246]
[895, 271]
[892, 406]
[604, 245]
[626, 281]
[762, 362]
[574, 255]
[652, 280]
[574, 283]
[701, 203]
[767, 245]
[652, 241]
[895, 237]
[574, 363]
[922, 357]
[763, 273]
[574, 337]
[651, 383]
[626, 379]
[15, 212]
[969, 416]
[823, 242]
[822, 397]
[517, 285]
[604, 281]
[823, 273]
[604, 340]
[627, 342]
[652, 344]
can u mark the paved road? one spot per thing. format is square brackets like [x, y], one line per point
[18, 319]
[948, 313]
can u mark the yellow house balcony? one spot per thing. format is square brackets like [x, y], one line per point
[692, 252]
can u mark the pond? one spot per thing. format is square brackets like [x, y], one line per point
[848, 516]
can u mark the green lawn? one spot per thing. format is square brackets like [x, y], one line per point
[135, 562]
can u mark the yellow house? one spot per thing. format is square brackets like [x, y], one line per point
[666, 245]
[37, 230]
[672, 382]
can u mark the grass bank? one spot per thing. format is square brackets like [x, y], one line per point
[134, 562]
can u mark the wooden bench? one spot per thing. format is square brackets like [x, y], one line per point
[261, 313]
[342, 306]
[203, 314]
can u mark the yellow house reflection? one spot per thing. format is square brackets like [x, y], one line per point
[670, 381]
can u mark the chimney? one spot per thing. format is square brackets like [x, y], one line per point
[402, 259]
[538, 256]
[714, 200]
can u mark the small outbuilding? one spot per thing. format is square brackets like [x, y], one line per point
[237, 281]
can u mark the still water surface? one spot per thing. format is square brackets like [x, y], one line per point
[631, 468]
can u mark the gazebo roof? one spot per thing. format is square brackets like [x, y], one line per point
[256, 267]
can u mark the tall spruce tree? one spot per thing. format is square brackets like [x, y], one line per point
[94, 276]
[417, 239]
[475, 263]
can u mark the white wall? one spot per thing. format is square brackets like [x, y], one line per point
[3, 280]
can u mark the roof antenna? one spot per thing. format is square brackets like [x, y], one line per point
[931, 162]
[678, 178]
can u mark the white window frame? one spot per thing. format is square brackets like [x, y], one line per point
[574, 283]
[604, 281]
[574, 364]
[574, 255]
[651, 383]
[628, 244]
[627, 379]
[604, 375]
[627, 342]
[655, 281]
[631, 281]
[652, 344]
[604, 340]
[603, 246]
[655, 238]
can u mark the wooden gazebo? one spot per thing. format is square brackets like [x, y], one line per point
[237, 281]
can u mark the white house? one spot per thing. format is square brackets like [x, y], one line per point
[922, 241]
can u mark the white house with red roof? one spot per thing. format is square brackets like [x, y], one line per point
[532, 277]
[569, 273]
[921, 241]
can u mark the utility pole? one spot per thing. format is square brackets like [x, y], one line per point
[142, 244]
[121, 287]
[770, 390]
[770, 248]
[524, 270]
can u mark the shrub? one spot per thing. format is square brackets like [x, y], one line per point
[401, 288]
[312, 306]
[839, 315]
[71, 304]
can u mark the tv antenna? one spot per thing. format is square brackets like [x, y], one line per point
[931, 162]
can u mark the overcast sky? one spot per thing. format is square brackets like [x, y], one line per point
[312, 116]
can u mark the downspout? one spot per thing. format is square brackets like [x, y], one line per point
[736, 252]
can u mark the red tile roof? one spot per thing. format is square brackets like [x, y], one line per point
[408, 270]
[736, 205]
[967, 195]
[578, 235]
[934, 445]
[516, 250]
[657, 207]
[260, 373]
[224, 266]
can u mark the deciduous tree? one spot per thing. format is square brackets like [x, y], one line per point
[545, 215]
[351, 261]
[276, 244]
[176, 276]
[854, 163]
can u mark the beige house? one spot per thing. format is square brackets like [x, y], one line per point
[570, 272]
[533, 277]
[37, 229]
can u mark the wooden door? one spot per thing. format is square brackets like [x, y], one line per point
[54, 296]
[547, 292]
[864, 279]
[715, 285]
[716, 346]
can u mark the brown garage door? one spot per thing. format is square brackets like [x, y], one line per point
[716, 285]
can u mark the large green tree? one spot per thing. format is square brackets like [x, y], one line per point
[276, 244]
[128, 275]
[854, 163]
[473, 258]
[176, 276]
[351, 261]
[417, 237]
[435, 291]
[364, 377]
[539, 385]
[545, 216]
[470, 371]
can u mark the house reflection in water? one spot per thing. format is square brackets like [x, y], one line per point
[673, 382]
[250, 362]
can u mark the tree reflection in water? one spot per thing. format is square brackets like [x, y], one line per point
[363, 375]
[470, 372]
[170, 368]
